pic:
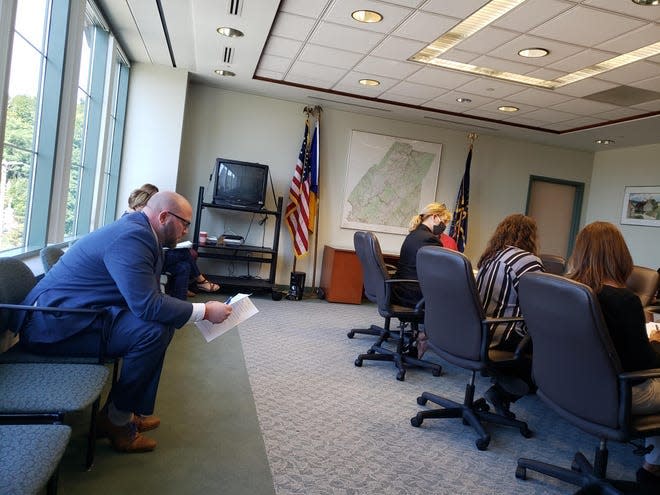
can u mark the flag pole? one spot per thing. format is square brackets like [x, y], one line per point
[317, 112]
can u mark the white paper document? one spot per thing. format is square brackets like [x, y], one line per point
[652, 327]
[242, 309]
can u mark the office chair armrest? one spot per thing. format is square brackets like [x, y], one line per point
[104, 319]
[523, 347]
[629, 376]
[420, 305]
[493, 321]
[401, 281]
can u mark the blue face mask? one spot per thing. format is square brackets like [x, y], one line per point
[439, 229]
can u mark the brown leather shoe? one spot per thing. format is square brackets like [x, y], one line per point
[124, 438]
[146, 423]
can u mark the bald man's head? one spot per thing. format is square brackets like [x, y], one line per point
[170, 215]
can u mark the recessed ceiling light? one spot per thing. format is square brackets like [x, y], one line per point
[647, 2]
[605, 141]
[464, 100]
[368, 16]
[506, 108]
[231, 32]
[222, 72]
[369, 82]
[533, 52]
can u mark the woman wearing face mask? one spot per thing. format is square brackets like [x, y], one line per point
[424, 230]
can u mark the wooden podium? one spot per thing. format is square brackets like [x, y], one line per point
[341, 275]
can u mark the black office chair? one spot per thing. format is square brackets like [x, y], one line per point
[579, 376]
[377, 281]
[553, 263]
[645, 282]
[458, 332]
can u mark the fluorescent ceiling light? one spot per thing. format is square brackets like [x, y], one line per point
[231, 32]
[369, 82]
[489, 13]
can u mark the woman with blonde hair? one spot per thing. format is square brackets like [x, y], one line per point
[602, 261]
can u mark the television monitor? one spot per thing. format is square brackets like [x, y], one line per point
[240, 184]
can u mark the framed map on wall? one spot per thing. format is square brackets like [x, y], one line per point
[388, 181]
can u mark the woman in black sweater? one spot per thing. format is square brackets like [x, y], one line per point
[602, 261]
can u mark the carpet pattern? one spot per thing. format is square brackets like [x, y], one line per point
[330, 427]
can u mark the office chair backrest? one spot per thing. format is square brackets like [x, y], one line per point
[453, 310]
[575, 365]
[16, 281]
[643, 282]
[553, 263]
[374, 271]
[49, 256]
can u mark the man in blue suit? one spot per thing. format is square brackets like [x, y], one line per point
[118, 267]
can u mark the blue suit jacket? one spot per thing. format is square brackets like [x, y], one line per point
[118, 267]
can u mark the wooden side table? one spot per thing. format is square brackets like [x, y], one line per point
[341, 276]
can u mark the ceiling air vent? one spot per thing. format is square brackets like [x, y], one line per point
[624, 96]
[228, 55]
[235, 7]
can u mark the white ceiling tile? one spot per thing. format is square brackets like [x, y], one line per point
[618, 113]
[545, 73]
[307, 8]
[494, 105]
[423, 26]
[350, 83]
[480, 112]
[581, 60]
[586, 27]
[644, 36]
[274, 63]
[503, 65]
[261, 72]
[628, 8]
[585, 87]
[393, 15]
[320, 72]
[652, 84]
[649, 106]
[282, 47]
[409, 100]
[637, 71]
[397, 48]
[405, 3]
[308, 81]
[460, 10]
[459, 56]
[557, 50]
[579, 122]
[450, 99]
[329, 56]
[345, 38]
[538, 97]
[491, 87]
[550, 116]
[584, 107]
[532, 13]
[386, 67]
[292, 26]
[434, 76]
[416, 90]
[486, 39]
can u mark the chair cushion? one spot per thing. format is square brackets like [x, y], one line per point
[30, 455]
[34, 388]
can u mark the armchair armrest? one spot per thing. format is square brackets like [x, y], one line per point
[103, 313]
[639, 375]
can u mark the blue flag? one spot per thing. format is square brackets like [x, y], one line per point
[459, 222]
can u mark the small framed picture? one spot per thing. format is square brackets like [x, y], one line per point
[641, 206]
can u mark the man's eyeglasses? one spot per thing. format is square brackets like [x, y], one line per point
[185, 222]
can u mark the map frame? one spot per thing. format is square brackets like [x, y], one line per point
[641, 206]
[368, 150]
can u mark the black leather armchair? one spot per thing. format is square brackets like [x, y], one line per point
[579, 376]
[458, 332]
[377, 282]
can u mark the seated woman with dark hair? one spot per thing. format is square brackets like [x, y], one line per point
[511, 252]
[602, 261]
[180, 263]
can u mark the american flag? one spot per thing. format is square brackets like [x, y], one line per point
[297, 211]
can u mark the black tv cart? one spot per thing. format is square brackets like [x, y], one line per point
[241, 253]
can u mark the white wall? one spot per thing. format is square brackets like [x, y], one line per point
[154, 125]
[613, 170]
[226, 124]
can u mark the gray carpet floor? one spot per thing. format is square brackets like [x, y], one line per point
[277, 406]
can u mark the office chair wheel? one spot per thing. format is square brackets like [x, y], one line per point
[527, 433]
[371, 351]
[358, 362]
[401, 375]
[521, 473]
[416, 420]
[575, 467]
[481, 405]
[482, 443]
[421, 401]
[350, 334]
[436, 371]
